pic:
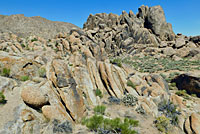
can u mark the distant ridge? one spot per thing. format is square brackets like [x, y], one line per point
[26, 26]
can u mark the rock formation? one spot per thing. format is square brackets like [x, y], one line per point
[131, 60]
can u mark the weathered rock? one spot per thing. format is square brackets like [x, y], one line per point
[7, 84]
[180, 42]
[195, 39]
[169, 51]
[33, 95]
[27, 115]
[195, 123]
[155, 20]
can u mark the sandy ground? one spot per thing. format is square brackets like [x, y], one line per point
[6, 110]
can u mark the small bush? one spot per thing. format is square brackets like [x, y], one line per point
[129, 100]
[100, 109]
[193, 95]
[102, 125]
[23, 46]
[113, 99]
[5, 72]
[42, 72]
[183, 93]
[140, 110]
[170, 111]
[162, 124]
[130, 84]
[117, 61]
[35, 39]
[24, 78]
[2, 98]
[98, 93]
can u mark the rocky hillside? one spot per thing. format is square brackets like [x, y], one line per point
[26, 26]
[124, 74]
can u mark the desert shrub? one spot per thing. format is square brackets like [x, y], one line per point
[130, 84]
[100, 109]
[42, 72]
[140, 110]
[162, 124]
[172, 86]
[104, 125]
[2, 98]
[24, 78]
[22, 45]
[193, 95]
[34, 39]
[129, 100]
[168, 109]
[114, 100]
[98, 93]
[117, 62]
[62, 127]
[5, 72]
[183, 94]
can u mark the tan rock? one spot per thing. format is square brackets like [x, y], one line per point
[27, 115]
[52, 112]
[195, 123]
[187, 126]
[33, 96]
[177, 100]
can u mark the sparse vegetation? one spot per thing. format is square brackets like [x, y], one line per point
[42, 72]
[183, 94]
[5, 72]
[101, 125]
[98, 93]
[22, 45]
[130, 84]
[117, 62]
[2, 98]
[100, 109]
[34, 39]
[129, 100]
[162, 124]
[170, 111]
[24, 78]
[150, 64]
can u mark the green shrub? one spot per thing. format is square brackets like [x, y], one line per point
[24, 78]
[42, 72]
[162, 124]
[168, 109]
[100, 109]
[183, 93]
[5, 72]
[99, 124]
[2, 98]
[130, 84]
[193, 95]
[35, 39]
[117, 61]
[98, 93]
[22, 45]
[129, 100]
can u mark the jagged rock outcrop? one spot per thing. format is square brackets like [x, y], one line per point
[121, 32]
[65, 72]
[154, 19]
[26, 26]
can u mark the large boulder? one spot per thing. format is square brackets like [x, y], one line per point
[33, 95]
[189, 83]
[155, 20]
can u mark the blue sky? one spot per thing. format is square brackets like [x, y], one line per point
[184, 15]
